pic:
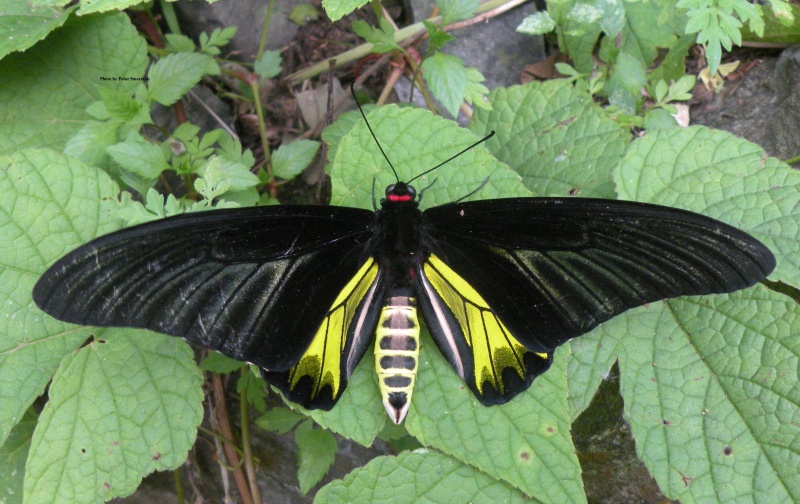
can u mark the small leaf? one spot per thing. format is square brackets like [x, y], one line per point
[316, 451]
[289, 160]
[269, 65]
[179, 43]
[537, 23]
[120, 105]
[437, 38]
[660, 91]
[447, 78]
[612, 16]
[279, 420]
[254, 388]
[382, 39]
[302, 14]
[456, 10]
[139, 157]
[171, 77]
[237, 175]
[336, 9]
[659, 118]
[220, 364]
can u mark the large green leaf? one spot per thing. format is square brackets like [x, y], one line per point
[421, 476]
[555, 137]
[710, 389]
[44, 91]
[24, 23]
[119, 408]
[50, 204]
[125, 405]
[722, 176]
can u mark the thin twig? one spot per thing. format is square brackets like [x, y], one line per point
[226, 430]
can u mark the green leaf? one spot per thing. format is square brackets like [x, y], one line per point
[289, 160]
[709, 389]
[220, 364]
[525, 442]
[219, 37]
[252, 386]
[179, 43]
[47, 88]
[627, 81]
[279, 420]
[778, 29]
[437, 38]
[236, 175]
[555, 137]
[89, 144]
[475, 93]
[456, 10]
[419, 476]
[413, 139]
[51, 203]
[537, 23]
[269, 65]
[722, 176]
[23, 24]
[337, 9]
[172, 76]
[333, 134]
[119, 408]
[643, 36]
[612, 16]
[13, 455]
[140, 157]
[303, 14]
[382, 39]
[316, 451]
[446, 76]
[658, 118]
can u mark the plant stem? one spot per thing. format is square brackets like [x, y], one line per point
[249, 466]
[218, 389]
[265, 29]
[493, 6]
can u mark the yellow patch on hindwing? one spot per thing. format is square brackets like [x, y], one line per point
[493, 347]
[322, 360]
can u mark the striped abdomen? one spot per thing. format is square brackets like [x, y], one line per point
[397, 353]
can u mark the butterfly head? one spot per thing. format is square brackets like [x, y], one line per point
[400, 193]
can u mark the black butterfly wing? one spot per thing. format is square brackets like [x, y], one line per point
[546, 270]
[253, 283]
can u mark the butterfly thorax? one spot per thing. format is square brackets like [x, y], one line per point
[398, 246]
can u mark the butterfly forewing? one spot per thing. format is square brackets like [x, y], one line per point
[228, 279]
[553, 269]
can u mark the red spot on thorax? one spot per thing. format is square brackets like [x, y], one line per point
[400, 197]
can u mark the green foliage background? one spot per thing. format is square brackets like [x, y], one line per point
[710, 383]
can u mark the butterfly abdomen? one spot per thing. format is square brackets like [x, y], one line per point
[397, 352]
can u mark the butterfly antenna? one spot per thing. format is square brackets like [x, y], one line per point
[487, 137]
[353, 91]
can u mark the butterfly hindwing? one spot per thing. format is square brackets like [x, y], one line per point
[320, 375]
[473, 338]
[553, 269]
[235, 280]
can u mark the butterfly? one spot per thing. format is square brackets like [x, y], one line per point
[301, 291]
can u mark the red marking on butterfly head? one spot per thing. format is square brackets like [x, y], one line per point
[400, 192]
